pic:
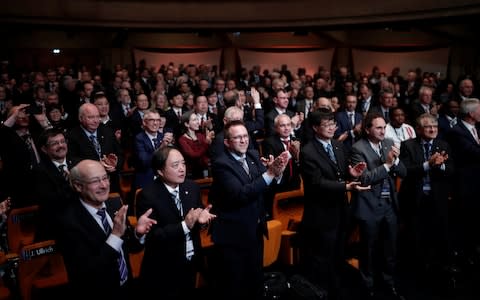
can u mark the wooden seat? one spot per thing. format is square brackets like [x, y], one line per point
[271, 246]
[40, 267]
[5, 293]
[21, 224]
[288, 209]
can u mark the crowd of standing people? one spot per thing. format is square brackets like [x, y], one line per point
[371, 150]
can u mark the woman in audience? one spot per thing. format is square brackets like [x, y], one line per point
[194, 146]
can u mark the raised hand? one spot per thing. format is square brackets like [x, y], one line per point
[205, 216]
[144, 223]
[357, 170]
[119, 221]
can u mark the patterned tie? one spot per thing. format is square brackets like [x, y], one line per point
[188, 239]
[96, 145]
[32, 150]
[427, 147]
[122, 265]
[351, 118]
[177, 201]
[64, 172]
[330, 152]
[156, 142]
[243, 162]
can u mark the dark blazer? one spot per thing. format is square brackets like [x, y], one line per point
[365, 202]
[17, 168]
[54, 194]
[324, 185]
[80, 147]
[378, 109]
[273, 145]
[270, 118]
[466, 154]
[172, 121]
[416, 110]
[164, 267]
[92, 265]
[411, 190]
[344, 124]
[237, 200]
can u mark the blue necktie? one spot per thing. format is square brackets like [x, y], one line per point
[122, 265]
[330, 153]
[96, 145]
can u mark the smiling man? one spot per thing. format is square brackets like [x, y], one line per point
[172, 248]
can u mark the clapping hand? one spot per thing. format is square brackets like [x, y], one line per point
[110, 161]
[357, 170]
[144, 223]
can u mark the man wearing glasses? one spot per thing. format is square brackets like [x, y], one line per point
[151, 138]
[327, 178]
[51, 184]
[240, 178]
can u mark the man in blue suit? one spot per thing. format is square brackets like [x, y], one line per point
[152, 137]
[239, 180]
[349, 122]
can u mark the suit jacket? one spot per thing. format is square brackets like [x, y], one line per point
[17, 168]
[172, 121]
[417, 110]
[237, 200]
[165, 248]
[273, 145]
[143, 151]
[80, 147]
[466, 154]
[345, 124]
[411, 190]
[378, 109]
[324, 185]
[270, 118]
[365, 203]
[54, 194]
[92, 264]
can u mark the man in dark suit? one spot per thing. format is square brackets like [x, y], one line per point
[349, 122]
[239, 181]
[19, 155]
[174, 114]
[280, 101]
[95, 238]
[423, 104]
[325, 170]
[463, 138]
[92, 140]
[376, 210]
[172, 248]
[386, 102]
[424, 194]
[274, 145]
[51, 185]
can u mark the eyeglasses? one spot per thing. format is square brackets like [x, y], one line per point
[153, 120]
[240, 137]
[329, 125]
[98, 180]
[56, 143]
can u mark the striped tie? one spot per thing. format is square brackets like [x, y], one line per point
[122, 265]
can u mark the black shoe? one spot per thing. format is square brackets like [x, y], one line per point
[395, 294]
